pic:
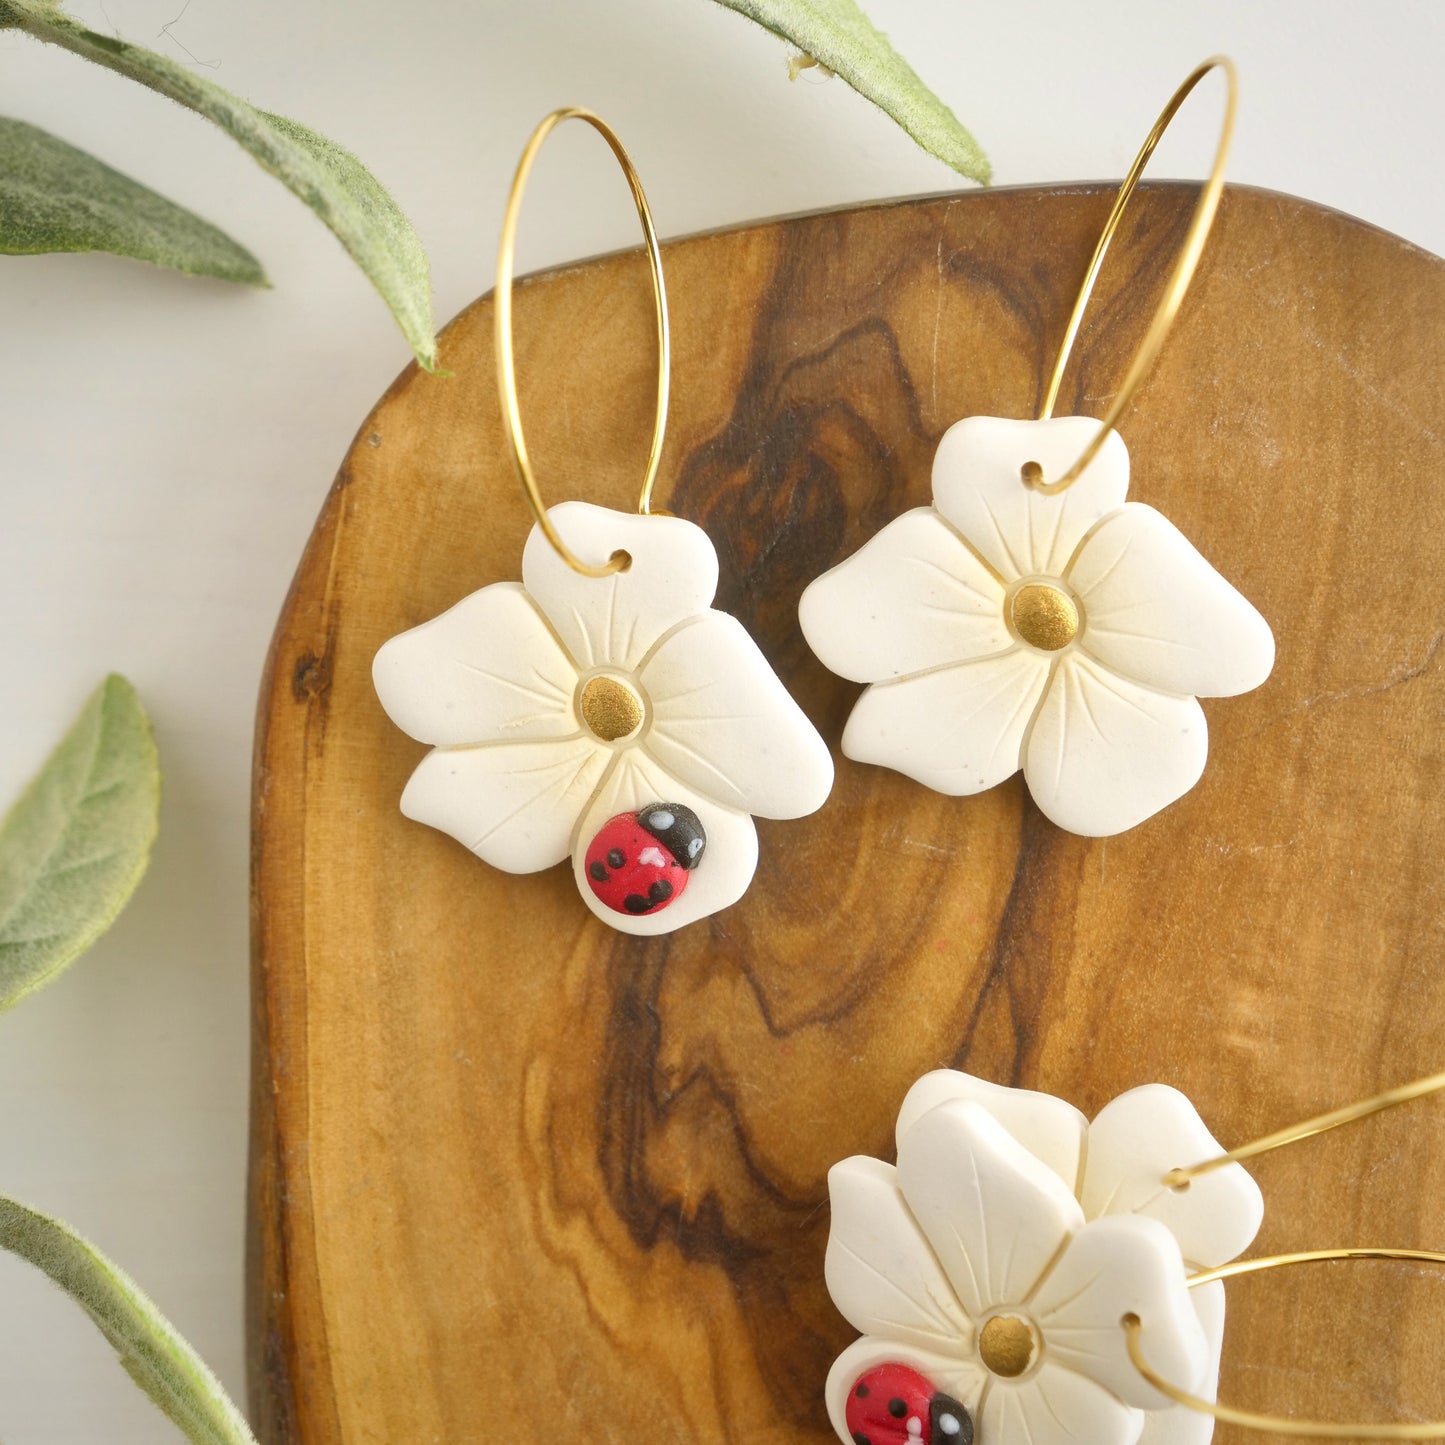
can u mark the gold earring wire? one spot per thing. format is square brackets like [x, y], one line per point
[1320, 1124]
[1183, 273]
[1280, 1424]
[506, 367]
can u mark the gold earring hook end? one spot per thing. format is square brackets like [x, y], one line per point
[1285, 1424]
[1178, 284]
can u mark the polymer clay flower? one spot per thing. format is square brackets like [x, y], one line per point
[1066, 635]
[1116, 1165]
[619, 720]
[970, 1266]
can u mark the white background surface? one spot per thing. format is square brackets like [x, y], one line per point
[165, 444]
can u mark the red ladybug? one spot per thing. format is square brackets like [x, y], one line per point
[640, 862]
[895, 1405]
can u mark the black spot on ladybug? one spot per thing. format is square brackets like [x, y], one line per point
[859, 1438]
[636, 903]
[897, 1408]
[660, 891]
[616, 857]
[599, 872]
[861, 1392]
[678, 829]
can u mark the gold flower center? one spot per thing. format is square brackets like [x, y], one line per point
[1045, 616]
[610, 708]
[1008, 1345]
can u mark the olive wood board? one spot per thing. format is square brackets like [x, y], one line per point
[516, 1176]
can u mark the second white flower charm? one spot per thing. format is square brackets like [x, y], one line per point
[1067, 635]
[621, 721]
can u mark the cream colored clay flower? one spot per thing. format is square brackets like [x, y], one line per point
[561, 702]
[1066, 635]
[1116, 1165]
[972, 1263]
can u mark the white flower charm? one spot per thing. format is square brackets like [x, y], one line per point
[619, 720]
[946, 1265]
[1066, 635]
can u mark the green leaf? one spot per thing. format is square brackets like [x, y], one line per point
[54, 197]
[75, 845]
[837, 34]
[328, 178]
[155, 1356]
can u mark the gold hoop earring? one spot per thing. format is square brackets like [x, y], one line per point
[1016, 1243]
[1179, 279]
[1286, 1424]
[602, 710]
[1033, 619]
[502, 333]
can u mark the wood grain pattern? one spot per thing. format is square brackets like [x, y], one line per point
[518, 1176]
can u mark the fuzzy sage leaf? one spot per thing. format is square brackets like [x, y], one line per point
[327, 177]
[77, 841]
[54, 197]
[155, 1356]
[836, 33]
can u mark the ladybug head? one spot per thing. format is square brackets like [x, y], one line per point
[896, 1405]
[678, 829]
[948, 1422]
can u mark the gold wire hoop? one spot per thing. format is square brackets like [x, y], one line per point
[1320, 1124]
[502, 312]
[1283, 1424]
[1183, 273]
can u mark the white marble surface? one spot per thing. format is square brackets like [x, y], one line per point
[165, 443]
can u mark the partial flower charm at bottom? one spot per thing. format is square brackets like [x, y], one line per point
[621, 721]
[1066, 635]
[991, 1269]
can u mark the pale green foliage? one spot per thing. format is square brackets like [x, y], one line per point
[327, 177]
[72, 850]
[154, 1355]
[77, 841]
[836, 33]
[54, 197]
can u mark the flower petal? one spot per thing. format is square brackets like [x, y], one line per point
[960, 1378]
[724, 723]
[1054, 1406]
[513, 804]
[1105, 753]
[1135, 1141]
[1180, 1425]
[957, 730]
[720, 878]
[994, 1214]
[1156, 611]
[879, 1269]
[1121, 1264]
[613, 621]
[913, 596]
[1051, 1129]
[1018, 530]
[487, 669]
